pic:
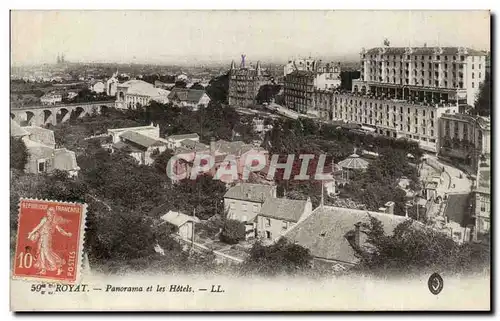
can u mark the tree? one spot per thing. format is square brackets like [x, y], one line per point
[416, 248]
[18, 154]
[197, 86]
[482, 104]
[233, 232]
[282, 257]
[218, 89]
[161, 161]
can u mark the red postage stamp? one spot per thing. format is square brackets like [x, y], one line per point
[49, 240]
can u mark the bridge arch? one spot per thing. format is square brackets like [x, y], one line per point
[30, 117]
[47, 117]
[63, 115]
[77, 112]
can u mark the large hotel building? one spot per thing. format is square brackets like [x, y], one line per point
[245, 82]
[402, 92]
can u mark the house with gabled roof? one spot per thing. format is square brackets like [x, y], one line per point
[325, 233]
[244, 201]
[43, 156]
[278, 215]
[192, 98]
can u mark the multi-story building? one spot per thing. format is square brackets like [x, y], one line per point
[390, 117]
[243, 202]
[427, 74]
[135, 93]
[482, 199]
[51, 98]
[299, 90]
[244, 83]
[464, 137]
[402, 92]
[308, 75]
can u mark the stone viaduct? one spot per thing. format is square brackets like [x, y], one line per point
[56, 114]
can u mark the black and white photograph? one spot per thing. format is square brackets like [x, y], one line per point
[250, 160]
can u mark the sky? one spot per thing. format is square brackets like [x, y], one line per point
[191, 37]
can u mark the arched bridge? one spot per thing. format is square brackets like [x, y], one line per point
[56, 114]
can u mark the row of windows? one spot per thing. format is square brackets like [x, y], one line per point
[409, 57]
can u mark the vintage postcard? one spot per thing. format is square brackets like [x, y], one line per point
[250, 160]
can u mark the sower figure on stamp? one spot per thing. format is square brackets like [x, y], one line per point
[47, 259]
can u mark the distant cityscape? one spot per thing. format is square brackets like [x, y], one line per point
[405, 133]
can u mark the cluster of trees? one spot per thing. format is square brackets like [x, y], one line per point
[282, 257]
[373, 188]
[379, 183]
[412, 248]
[482, 104]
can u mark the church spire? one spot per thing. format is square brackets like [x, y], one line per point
[233, 65]
[258, 68]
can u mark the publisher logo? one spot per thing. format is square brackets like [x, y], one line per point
[435, 283]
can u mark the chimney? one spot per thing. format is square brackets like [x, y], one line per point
[357, 234]
[390, 207]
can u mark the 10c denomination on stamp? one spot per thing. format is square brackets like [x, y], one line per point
[49, 240]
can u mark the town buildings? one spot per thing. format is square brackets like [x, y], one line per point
[142, 143]
[182, 223]
[43, 156]
[244, 201]
[112, 84]
[175, 141]
[98, 86]
[304, 77]
[51, 98]
[244, 83]
[278, 215]
[482, 200]
[190, 98]
[464, 137]
[225, 154]
[332, 233]
[402, 92]
[432, 74]
[135, 93]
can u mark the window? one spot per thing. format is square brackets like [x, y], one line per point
[268, 222]
[42, 165]
[479, 75]
[268, 235]
[472, 74]
[472, 85]
[285, 225]
[479, 66]
[255, 208]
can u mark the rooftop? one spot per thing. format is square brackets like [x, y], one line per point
[323, 232]
[178, 219]
[16, 130]
[142, 88]
[425, 51]
[250, 192]
[140, 139]
[184, 136]
[65, 160]
[354, 162]
[283, 209]
[187, 95]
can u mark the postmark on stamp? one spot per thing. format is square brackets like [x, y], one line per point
[49, 240]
